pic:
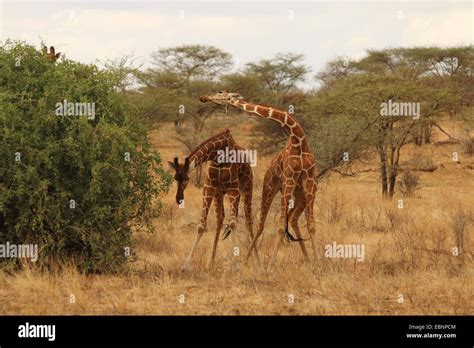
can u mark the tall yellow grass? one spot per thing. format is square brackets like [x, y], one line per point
[409, 267]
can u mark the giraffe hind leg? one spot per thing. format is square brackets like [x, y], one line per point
[247, 198]
[293, 217]
[288, 236]
[310, 195]
[271, 187]
[287, 190]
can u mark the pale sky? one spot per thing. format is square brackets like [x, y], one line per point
[91, 30]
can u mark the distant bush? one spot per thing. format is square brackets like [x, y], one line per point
[468, 146]
[409, 182]
[422, 164]
[66, 183]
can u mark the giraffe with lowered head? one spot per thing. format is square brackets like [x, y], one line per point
[292, 172]
[223, 178]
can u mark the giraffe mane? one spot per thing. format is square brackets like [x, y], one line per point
[260, 104]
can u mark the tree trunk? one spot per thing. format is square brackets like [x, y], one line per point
[416, 139]
[427, 133]
[383, 172]
[394, 169]
[419, 137]
[392, 181]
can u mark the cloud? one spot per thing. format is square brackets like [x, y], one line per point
[442, 29]
[249, 31]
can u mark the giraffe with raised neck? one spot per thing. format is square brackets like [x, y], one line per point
[223, 178]
[292, 172]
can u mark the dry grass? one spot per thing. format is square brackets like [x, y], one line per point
[407, 251]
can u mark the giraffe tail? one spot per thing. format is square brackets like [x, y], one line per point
[227, 232]
[289, 237]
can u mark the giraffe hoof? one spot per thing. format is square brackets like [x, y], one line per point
[227, 232]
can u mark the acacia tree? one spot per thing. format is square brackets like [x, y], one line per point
[171, 90]
[348, 119]
[334, 71]
[200, 62]
[281, 73]
[437, 67]
[250, 86]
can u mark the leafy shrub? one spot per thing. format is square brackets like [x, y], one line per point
[48, 160]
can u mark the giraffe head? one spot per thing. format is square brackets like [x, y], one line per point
[220, 98]
[181, 176]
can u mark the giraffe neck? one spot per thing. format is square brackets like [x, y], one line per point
[207, 151]
[286, 120]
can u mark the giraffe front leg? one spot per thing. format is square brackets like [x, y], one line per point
[249, 224]
[219, 200]
[293, 216]
[234, 198]
[208, 194]
[269, 191]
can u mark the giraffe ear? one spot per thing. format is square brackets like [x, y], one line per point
[174, 164]
[186, 163]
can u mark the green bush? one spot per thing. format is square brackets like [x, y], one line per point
[48, 160]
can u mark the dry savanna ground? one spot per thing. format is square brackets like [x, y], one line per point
[408, 268]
